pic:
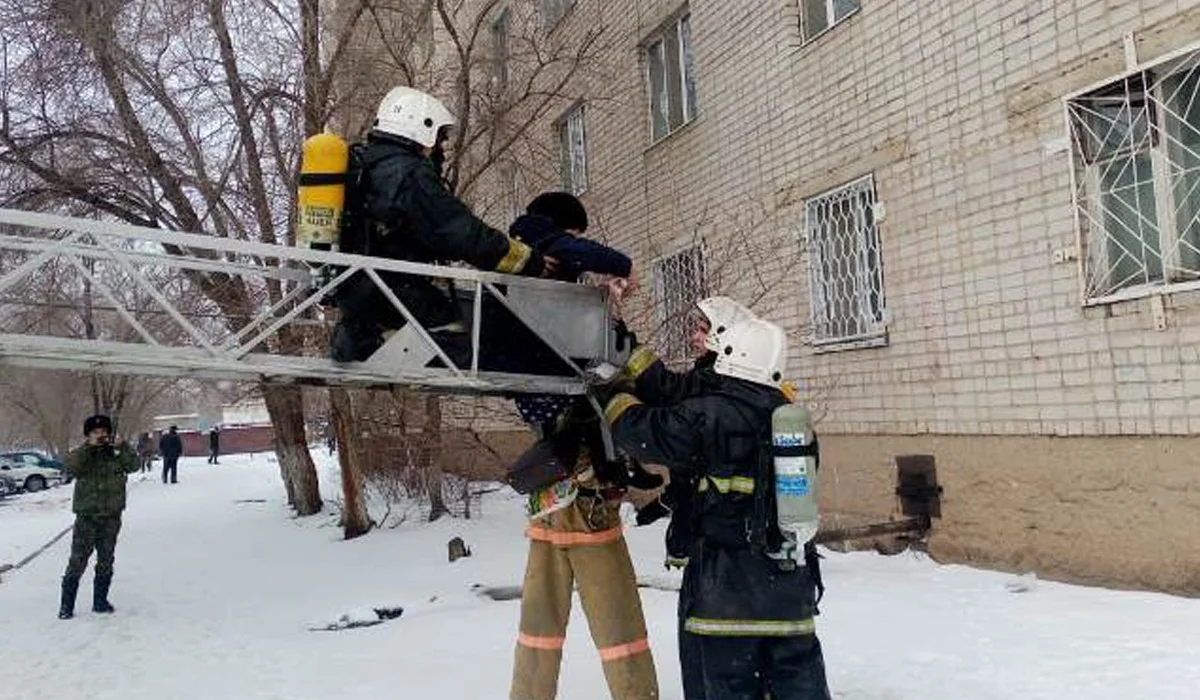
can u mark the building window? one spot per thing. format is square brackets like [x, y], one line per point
[555, 10]
[679, 283]
[1135, 151]
[671, 78]
[845, 266]
[573, 144]
[510, 191]
[818, 16]
[499, 34]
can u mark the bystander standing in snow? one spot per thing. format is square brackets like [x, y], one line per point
[99, 468]
[214, 444]
[145, 452]
[171, 448]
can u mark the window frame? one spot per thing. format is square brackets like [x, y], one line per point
[573, 180]
[688, 108]
[1087, 191]
[500, 32]
[873, 322]
[830, 6]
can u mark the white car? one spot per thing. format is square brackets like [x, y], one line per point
[29, 476]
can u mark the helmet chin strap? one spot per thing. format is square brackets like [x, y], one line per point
[437, 156]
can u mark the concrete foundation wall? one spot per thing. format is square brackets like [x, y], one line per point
[1107, 511]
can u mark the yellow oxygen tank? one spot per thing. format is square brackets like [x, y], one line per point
[322, 197]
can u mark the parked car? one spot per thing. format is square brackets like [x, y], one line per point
[29, 475]
[32, 458]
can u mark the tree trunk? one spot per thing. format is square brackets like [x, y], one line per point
[433, 467]
[355, 519]
[286, 406]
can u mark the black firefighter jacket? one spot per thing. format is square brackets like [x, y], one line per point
[719, 435]
[403, 211]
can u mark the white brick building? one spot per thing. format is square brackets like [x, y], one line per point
[920, 157]
[975, 220]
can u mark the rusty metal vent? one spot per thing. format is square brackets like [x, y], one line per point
[917, 486]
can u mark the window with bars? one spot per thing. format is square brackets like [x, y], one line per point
[845, 266]
[499, 34]
[572, 140]
[818, 16]
[555, 10]
[679, 283]
[1135, 151]
[671, 78]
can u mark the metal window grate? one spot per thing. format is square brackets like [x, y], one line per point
[1135, 153]
[679, 282]
[845, 266]
[573, 140]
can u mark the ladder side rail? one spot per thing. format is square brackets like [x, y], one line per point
[269, 250]
[144, 257]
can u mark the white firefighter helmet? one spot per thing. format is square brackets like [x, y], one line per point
[722, 314]
[753, 350]
[412, 114]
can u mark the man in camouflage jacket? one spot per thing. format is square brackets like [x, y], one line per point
[99, 468]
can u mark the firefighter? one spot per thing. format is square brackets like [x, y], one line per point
[656, 385]
[750, 616]
[401, 209]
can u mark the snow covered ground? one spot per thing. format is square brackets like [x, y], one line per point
[214, 598]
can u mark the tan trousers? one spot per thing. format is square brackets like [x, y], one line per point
[582, 545]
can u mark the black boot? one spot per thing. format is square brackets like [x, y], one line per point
[66, 608]
[100, 602]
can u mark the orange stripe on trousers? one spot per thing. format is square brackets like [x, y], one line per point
[543, 643]
[566, 539]
[621, 651]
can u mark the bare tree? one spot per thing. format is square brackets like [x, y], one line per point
[355, 520]
[504, 78]
[181, 114]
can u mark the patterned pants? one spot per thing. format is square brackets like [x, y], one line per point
[98, 532]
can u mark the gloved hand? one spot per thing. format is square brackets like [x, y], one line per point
[652, 512]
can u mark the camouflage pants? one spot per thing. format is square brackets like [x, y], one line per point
[98, 532]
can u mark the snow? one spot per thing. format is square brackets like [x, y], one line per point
[214, 599]
[30, 520]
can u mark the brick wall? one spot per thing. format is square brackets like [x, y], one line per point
[234, 440]
[956, 110]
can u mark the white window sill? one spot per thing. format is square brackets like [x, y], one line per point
[863, 342]
[1142, 291]
[686, 127]
[806, 41]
